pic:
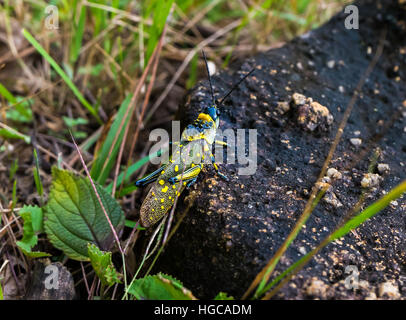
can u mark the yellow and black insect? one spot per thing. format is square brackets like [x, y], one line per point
[188, 158]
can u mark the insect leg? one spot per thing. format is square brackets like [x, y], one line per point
[150, 178]
[189, 174]
[221, 143]
[217, 168]
[191, 182]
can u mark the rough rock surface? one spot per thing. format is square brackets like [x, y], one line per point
[233, 228]
[54, 283]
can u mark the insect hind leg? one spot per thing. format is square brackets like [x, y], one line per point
[191, 182]
[150, 178]
[223, 176]
[188, 175]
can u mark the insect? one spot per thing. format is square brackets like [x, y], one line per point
[190, 154]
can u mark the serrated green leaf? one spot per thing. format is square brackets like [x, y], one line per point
[103, 266]
[159, 287]
[32, 216]
[74, 217]
[223, 296]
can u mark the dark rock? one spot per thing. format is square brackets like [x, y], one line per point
[233, 228]
[50, 281]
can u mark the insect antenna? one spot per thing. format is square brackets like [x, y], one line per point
[234, 87]
[208, 74]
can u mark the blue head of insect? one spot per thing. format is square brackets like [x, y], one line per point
[214, 113]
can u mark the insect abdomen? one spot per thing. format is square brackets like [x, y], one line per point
[158, 201]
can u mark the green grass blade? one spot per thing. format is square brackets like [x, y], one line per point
[355, 222]
[160, 10]
[8, 132]
[77, 37]
[131, 169]
[37, 178]
[290, 239]
[61, 73]
[7, 94]
[105, 159]
[370, 211]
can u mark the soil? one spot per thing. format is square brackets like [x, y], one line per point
[233, 228]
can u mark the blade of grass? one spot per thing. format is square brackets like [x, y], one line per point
[108, 153]
[262, 278]
[9, 132]
[62, 74]
[1, 270]
[37, 178]
[104, 210]
[153, 61]
[132, 169]
[219, 33]
[352, 224]
[77, 34]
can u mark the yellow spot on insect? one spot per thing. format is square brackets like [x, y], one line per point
[173, 187]
[156, 199]
[152, 211]
[161, 182]
[176, 168]
[150, 218]
[181, 145]
[169, 197]
[162, 207]
[162, 172]
[173, 200]
[165, 189]
[184, 183]
[193, 165]
[162, 200]
[205, 116]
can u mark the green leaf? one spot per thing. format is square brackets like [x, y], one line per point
[223, 296]
[159, 287]
[32, 216]
[61, 73]
[102, 265]
[74, 217]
